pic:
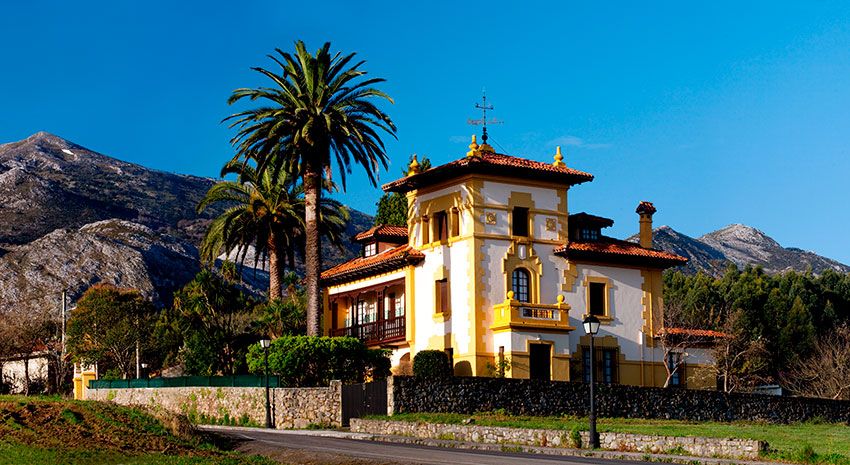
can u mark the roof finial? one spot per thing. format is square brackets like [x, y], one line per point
[484, 106]
[413, 168]
[559, 159]
[473, 147]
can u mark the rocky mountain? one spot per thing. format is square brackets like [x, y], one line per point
[71, 217]
[741, 245]
[47, 183]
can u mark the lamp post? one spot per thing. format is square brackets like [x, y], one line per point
[591, 327]
[265, 343]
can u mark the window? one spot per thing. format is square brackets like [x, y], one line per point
[596, 298]
[360, 312]
[520, 281]
[609, 366]
[442, 296]
[519, 222]
[370, 249]
[441, 226]
[395, 306]
[589, 234]
[677, 369]
[605, 365]
[398, 305]
[455, 222]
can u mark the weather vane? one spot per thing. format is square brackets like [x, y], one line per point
[483, 106]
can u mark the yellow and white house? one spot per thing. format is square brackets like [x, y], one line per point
[493, 266]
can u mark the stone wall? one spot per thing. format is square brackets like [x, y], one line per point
[623, 442]
[291, 407]
[543, 398]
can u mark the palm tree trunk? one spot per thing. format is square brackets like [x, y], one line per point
[275, 268]
[312, 252]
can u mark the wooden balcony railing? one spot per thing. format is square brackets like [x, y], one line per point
[513, 314]
[376, 332]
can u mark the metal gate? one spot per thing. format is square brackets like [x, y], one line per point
[363, 399]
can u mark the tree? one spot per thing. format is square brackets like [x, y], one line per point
[265, 211]
[286, 316]
[111, 326]
[392, 206]
[320, 113]
[262, 213]
[209, 326]
[826, 372]
[675, 338]
[23, 332]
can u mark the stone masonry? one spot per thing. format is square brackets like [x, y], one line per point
[291, 407]
[469, 395]
[623, 442]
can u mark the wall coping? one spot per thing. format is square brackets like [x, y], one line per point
[622, 442]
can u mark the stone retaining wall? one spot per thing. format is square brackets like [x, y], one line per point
[623, 442]
[291, 407]
[470, 395]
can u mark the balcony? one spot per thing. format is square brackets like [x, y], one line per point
[516, 315]
[376, 332]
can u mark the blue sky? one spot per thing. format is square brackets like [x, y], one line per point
[721, 112]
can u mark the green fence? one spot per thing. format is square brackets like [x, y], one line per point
[186, 381]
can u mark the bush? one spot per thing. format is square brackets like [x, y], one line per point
[315, 361]
[432, 364]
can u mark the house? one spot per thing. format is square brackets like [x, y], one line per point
[495, 270]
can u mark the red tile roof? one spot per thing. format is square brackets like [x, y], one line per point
[388, 260]
[491, 163]
[694, 332]
[609, 249]
[383, 231]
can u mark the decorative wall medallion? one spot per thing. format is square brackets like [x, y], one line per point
[490, 218]
[551, 224]
[522, 251]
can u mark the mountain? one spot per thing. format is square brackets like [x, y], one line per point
[71, 217]
[744, 244]
[47, 183]
[741, 245]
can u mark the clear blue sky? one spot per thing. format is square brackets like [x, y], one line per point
[719, 113]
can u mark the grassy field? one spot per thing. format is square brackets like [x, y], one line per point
[57, 431]
[802, 442]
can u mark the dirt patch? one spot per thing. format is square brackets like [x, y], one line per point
[88, 425]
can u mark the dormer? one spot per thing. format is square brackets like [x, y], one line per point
[585, 227]
[380, 238]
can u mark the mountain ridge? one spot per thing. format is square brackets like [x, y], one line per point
[71, 217]
[741, 245]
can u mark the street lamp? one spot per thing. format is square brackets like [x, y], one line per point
[591, 327]
[265, 343]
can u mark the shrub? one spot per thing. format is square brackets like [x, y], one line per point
[432, 364]
[315, 361]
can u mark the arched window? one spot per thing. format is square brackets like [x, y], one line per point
[520, 280]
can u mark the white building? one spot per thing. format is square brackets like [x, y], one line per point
[493, 266]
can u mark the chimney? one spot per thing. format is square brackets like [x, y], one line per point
[645, 210]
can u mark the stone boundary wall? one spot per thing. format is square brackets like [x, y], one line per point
[468, 395]
[623, 442]
[291, 407]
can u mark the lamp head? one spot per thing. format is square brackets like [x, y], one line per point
[591, 325]
[265, 343]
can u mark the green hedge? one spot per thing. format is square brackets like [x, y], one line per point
[432, 364]
[315, 361]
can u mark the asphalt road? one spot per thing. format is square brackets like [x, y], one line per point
[382, 452]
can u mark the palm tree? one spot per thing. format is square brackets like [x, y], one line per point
[320, 112]
[265, 211]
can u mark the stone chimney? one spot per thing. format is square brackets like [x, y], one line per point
[645, 210]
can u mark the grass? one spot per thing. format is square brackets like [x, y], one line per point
[61, 431]
[21, 454]
[812, 442]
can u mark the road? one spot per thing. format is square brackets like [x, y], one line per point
[297, 445]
